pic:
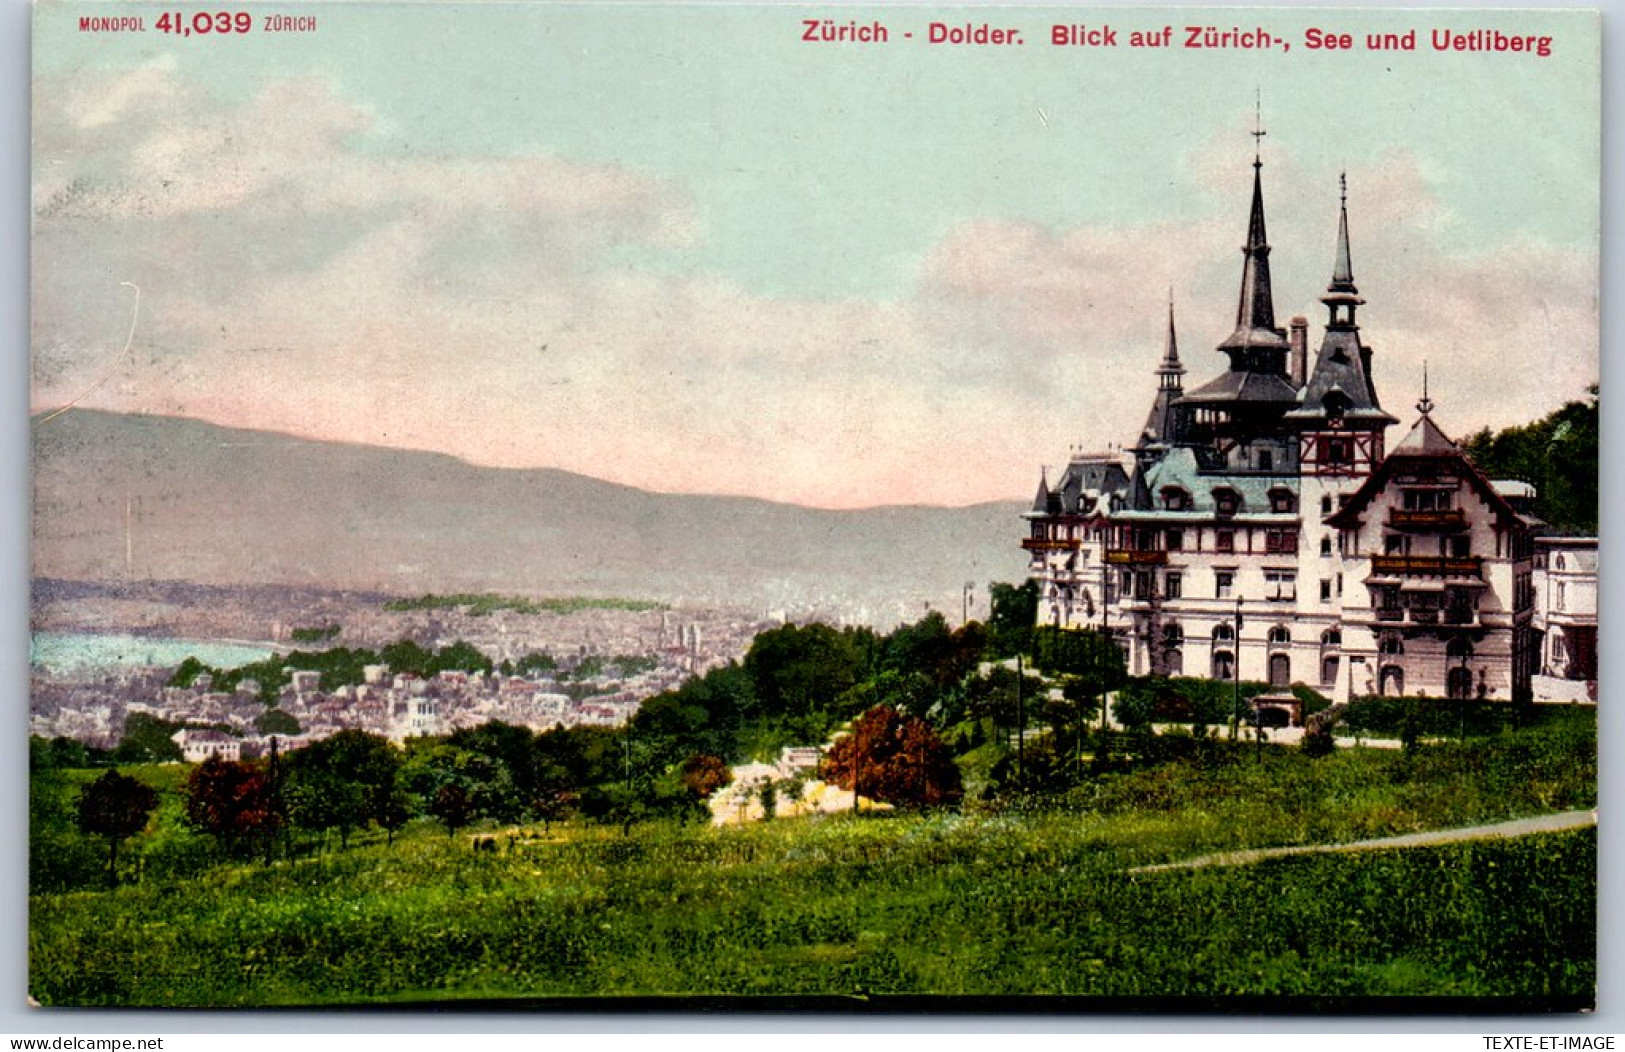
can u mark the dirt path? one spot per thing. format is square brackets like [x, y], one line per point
[1517, 827]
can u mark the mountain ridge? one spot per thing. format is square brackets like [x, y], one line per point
[122, 496]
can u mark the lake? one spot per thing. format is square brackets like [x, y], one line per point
[77, 653]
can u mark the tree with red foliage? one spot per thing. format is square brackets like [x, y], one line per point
[115, 807]
[233, 802]
[895, 759]
[704, 774]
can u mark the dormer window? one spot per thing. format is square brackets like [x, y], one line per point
[1282, 502]
[1336, 404]
[1175, 498]
[1226, 501]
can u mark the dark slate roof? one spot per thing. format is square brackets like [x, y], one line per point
[1081, 487]
[1255, 308]
[1425, 440]
[1244, 387]
[1340, 374]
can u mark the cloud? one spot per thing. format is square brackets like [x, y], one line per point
[301, 272]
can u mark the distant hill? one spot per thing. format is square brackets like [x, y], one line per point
[215, 505]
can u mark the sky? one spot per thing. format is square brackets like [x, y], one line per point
[680, 248]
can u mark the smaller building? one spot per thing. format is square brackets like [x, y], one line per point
[200, 745]
[1565, 621]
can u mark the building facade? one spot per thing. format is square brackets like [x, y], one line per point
[1261, 528]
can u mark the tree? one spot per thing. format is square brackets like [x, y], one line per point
[341, 782]
[1557, 454]
[276, 721]
[896, 759]
[799, 670]
[115, 807]
[1010, 625]
[233, 802]
[392, 811]
[147, 740]
[452, 806]
[704, 774]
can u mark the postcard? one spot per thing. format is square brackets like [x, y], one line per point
[825, 506]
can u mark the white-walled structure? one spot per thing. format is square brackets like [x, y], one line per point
[1260, 526]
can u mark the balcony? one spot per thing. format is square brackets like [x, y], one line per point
[1435, 616]
[1047, 544]
[1126, 557]
[1438, 519]
[1427, 566]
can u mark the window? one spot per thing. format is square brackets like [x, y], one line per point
[1174, 540]
[1266, 460]
[1325, 589]
[1326, 504]
[1335, 451]
[1427, 499]
[1328, 669]
[1394, 544]
[1127, 584]
[1226, 502]
[1280, 542]
[1461, 547]
[1175, 499]
[1280, 635]
[1225, 540]
[1280, 670]
[1326, 546]
[1224, 664]
[1280, 586]
[1174, 585]
[1282, 501]
[1390, 643]
[1223, 582]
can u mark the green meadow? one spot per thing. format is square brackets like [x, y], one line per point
[1027, 895]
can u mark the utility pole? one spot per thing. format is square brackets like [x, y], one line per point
[1021, 726]
[1235, 678]
[857, 767]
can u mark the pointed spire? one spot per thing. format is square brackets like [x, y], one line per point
[1343, 270]
[1425, 406]
[1041, 502]
[1341, 296]
[1255, 308]
[1170, 352]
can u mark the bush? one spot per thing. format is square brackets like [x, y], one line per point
[1427, 717]
[1181, 699]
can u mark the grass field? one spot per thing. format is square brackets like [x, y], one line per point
[1019, 900]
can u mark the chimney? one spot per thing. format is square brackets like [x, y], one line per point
[1299, 339]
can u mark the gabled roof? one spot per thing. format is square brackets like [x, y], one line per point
[1425, 442]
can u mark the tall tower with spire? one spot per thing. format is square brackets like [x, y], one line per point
[1340, 424]
[1339, 419]
[1234, 421]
